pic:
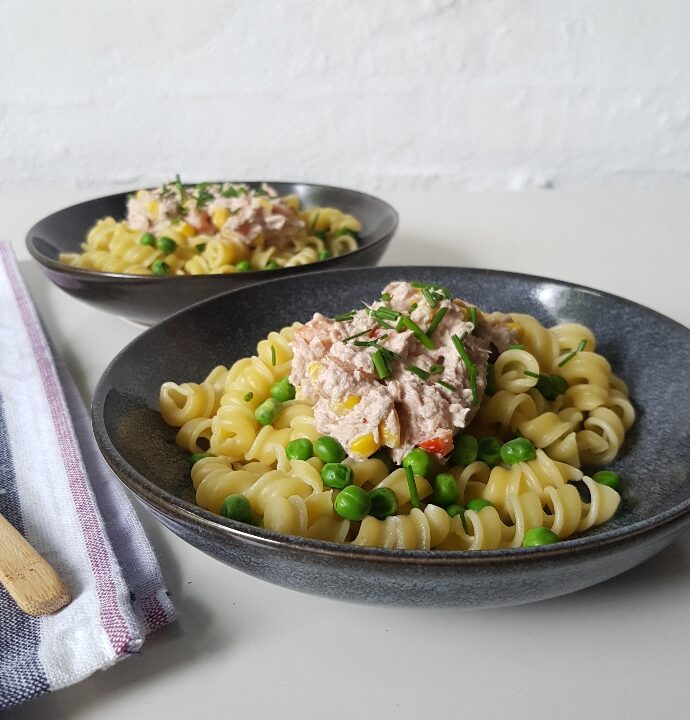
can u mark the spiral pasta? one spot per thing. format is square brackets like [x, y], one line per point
[551, 388]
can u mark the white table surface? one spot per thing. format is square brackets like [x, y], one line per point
[242, 648]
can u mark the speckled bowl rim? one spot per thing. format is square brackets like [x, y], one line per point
[176, 508]
[258, 275]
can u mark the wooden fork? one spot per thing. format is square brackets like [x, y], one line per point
[29, 579]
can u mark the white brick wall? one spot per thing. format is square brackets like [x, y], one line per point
[394, 94]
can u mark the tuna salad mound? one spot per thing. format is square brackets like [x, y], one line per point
[415, 421]
[214, 228]
[408, 370]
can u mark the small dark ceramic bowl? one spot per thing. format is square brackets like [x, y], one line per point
[148, 299]
[649, 351]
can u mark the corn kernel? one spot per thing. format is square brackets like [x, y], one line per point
[152, 208]
[188, 230]
[315, 369]
[390, 439]
[347, 404]
[141, 194]
[220, 217]
[365, 445]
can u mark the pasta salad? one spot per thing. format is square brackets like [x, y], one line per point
[214, 228]
[417, 421]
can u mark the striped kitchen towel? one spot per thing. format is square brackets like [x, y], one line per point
[57, 491]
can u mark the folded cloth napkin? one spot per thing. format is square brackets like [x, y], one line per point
[58, 492]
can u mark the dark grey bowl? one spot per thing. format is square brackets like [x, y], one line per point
[649, 351]
[147, 299]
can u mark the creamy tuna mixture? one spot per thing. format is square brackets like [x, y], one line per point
[213, 207]
[394, 374]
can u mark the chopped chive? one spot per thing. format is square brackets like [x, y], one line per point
[356, 335]
[385, 296]
[314, 220]
[412, 307]
[463, 336]
[365, 343]
[436, 321]
[248, 396]
[411, 325]
[471, 367]
[273, 355]
[400, 324]
[380, 365]
[344, 317]
[412, 486]
[384, 313]
[529, 373]
[418, 372]
[383, 324]
[389, 354]
[516, 346]
[448, 386]
[431, 286]
[429, 297]
[580, 347]
[567, 358]
[473, 318]
[436, 369]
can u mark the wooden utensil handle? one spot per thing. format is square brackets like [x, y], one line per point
[30, 580]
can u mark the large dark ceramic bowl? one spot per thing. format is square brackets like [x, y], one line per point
[649, 351]
[148, 299]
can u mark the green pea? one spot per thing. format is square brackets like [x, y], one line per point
[160, 267]
[243, 266]
[384, 502]
[336, 475]
[147, 239]
[283, 390]
[329, 449]
[300, 449]
[199, 456]
[489, 450]
[454, 510]
[445, 490]
[477, 504]
[324, 255]
[551, 386]
[352, 503]
[268, 411]
[166, 244]
[465, 450]
[539, 536]
[272, 265]
[560, 384]
[518, 450]
[237, 507]
[419, 460]
[608, 477]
